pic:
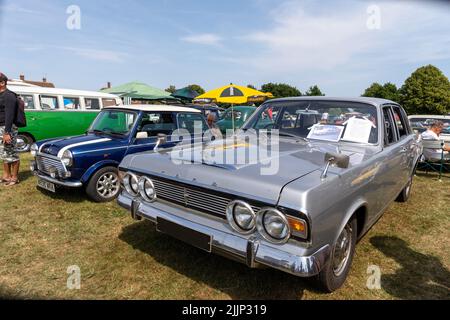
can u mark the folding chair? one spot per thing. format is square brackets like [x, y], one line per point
[434, 159]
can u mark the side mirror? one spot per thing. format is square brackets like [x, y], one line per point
[142, 135]
[333, 159]
[339, 160]
[162, 139]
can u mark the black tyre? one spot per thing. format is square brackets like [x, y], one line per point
[336, 270]
[104, 185]
[406, 193]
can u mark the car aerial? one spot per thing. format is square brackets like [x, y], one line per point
[331, 182]
[421, 123]
[230, 122]
[91, 160]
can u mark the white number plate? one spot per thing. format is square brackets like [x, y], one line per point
[46, 185]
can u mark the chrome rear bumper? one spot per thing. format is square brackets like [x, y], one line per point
[252, 250]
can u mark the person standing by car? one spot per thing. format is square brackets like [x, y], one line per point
[8, 132]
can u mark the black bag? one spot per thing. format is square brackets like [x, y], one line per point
[21, 120]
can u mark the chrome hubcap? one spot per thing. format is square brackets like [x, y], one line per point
[108, 185]
[22, 144]
[341, 253]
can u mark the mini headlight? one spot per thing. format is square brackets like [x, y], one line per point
[241, 217]
[34, 149]
[131, 184]
[147, 189]
[67, 158]
[273, 225]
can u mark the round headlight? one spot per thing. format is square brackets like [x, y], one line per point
[273, 226]
[147, 189]
[241, 217]
[131, 184]
[67, 158]
[34, 149]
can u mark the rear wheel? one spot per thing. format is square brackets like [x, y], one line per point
[335, 272]
[104, 185]
[24, 142]
[405, 194]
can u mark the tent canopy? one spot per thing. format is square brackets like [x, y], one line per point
[185, 94]
[139, 90]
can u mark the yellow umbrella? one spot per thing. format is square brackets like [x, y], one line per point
[234, 94]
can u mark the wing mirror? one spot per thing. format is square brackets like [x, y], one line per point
[162, 140]
[334, 159]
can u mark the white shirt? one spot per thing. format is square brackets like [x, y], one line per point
[433, 153]
[430, 135]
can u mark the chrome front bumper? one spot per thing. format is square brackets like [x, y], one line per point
[252, 250]
[67, 184]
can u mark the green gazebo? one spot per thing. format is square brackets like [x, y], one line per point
[139, 92]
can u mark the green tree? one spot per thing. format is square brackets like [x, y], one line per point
[387, 91]
[197, 88]
[280, 90]
[171, 89]
[426, 91]
[251, 87]
[314, 91]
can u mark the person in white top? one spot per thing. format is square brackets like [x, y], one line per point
[433, 134]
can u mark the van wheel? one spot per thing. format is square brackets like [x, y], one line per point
[24, 142]
[405, 194]
[104, 185]
[335, 272]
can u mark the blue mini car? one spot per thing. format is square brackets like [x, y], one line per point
[91, 160]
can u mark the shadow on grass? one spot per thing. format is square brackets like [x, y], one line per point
[420, 277]
[233, 278]
[75, 195]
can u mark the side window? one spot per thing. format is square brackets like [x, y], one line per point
[92, 104]
[191, 122]
[108, 102]
[29, 101]
[268, 118]
[400, 120]
[389, 127]
[49, 103]
[155, 123]
[71, 103]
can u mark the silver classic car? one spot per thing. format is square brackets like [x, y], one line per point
[294, 189]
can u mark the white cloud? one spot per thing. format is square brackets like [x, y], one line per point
[203, 39]
[302, 37]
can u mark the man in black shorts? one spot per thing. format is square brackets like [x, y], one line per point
[8, 134]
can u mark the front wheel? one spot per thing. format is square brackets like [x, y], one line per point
[104, 185]
[335, 272]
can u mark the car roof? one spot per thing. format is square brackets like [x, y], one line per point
[154, 108]
[368, 100]
[429, 116]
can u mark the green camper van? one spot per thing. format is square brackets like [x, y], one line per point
[53, 113]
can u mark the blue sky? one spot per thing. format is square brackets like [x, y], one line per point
[213, 43]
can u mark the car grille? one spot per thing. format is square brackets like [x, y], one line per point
[44, 165]
[194, 198]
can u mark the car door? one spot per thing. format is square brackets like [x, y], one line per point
[407, 142]
[149, 126]
[395, 152]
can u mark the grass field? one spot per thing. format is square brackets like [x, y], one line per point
[41, 235]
